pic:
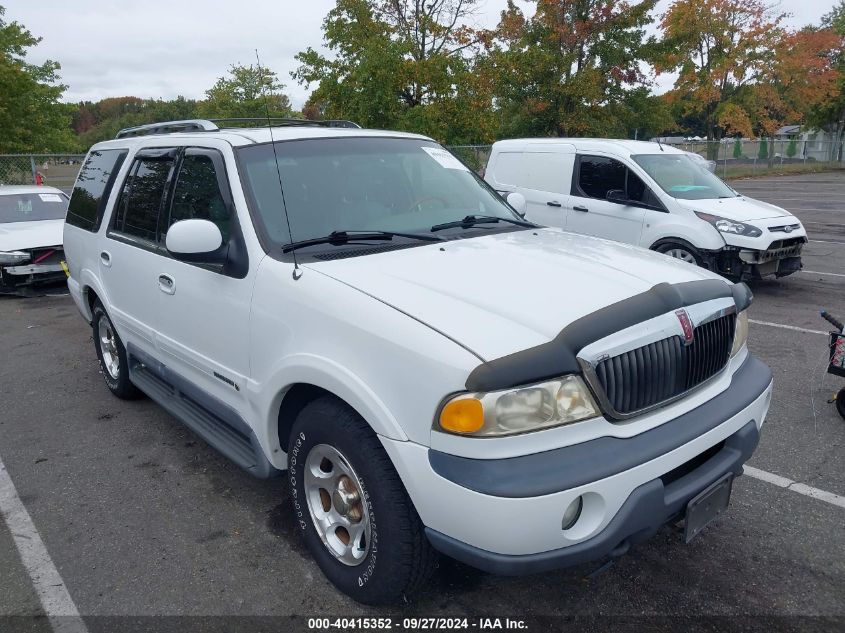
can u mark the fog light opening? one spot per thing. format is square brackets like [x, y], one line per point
[573, 513]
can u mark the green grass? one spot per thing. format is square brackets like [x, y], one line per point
[748, 171]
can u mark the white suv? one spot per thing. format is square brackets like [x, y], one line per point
[434, 373]
[650, 195]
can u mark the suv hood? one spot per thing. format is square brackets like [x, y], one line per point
[21, 236]
[739, 209]
[505, 292]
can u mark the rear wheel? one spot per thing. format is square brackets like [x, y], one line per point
[112, 355]
[840, 402]
[678, 250]
[355, 515]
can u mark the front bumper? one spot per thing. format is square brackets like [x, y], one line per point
[505, 515]
[781, 258]
[15, 279]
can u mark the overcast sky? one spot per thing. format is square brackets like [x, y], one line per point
[165, 48]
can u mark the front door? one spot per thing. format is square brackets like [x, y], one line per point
[591, 213]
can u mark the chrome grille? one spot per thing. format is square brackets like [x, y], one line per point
[661, 371]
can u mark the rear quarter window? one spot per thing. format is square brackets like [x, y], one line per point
[92, 188]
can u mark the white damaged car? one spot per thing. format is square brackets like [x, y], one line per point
[31, 223]
[434, 374]
[650, 195]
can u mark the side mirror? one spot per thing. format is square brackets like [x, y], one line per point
[618, 196]
[198, 241]
[518, 202]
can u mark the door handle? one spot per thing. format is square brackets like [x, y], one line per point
[166, 284]
[580, 208]
[105, 258]
[554, 203]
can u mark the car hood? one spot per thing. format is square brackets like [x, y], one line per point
[16, 236]
[506, 292]
[739, 209]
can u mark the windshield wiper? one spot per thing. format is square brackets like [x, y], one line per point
[338, 238]
[472, 220]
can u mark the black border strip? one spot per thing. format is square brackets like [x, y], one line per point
[559, 356]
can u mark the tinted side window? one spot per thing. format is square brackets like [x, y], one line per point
[598, 175]
[141, 198]
[93, 185]
[197, 194]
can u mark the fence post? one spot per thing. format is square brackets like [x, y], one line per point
[34, 171]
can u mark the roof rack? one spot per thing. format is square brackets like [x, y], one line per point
[168, 127]
[211, 125]
[262, 121]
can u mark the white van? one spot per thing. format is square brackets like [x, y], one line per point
[650, 195]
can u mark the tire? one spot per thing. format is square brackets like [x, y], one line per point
[112, 355]
[840, 402]
[682, 251]
[338, 470]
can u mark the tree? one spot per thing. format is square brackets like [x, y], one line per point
[717, 47]
[737, 147]
[792, 148]
[763, 150]
[247, 91]
[568, 69]
[31, 117]
[403, 64]
[830, 115]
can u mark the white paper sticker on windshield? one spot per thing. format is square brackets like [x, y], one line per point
[444, 158]
[50, 197]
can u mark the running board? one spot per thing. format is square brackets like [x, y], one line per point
[214, 421]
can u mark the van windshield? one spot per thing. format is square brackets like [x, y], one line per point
[363, 184]
[682, 177]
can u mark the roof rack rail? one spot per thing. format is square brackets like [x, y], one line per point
[289, 121]
[168, 127]
[210, 125]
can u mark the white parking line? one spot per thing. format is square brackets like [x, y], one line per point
[827, 242]
[818, 272]
[787, 327]
[58, 606]
[801, 489]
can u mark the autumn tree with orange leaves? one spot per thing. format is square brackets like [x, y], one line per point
[717, 47]
[566, 70]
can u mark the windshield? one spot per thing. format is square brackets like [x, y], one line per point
[683, 177]
[30, 207]
[363, 184]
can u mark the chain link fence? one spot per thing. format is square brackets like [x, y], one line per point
[54, 170]
[730, 158]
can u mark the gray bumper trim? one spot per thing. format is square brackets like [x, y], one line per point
[571, 466]
[649, 507]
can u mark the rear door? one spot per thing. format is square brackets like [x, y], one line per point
[547, 178]
[591, 213]
[129, 255]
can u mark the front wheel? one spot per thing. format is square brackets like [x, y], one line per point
[684, 252]
[354, 513]
[840, 402]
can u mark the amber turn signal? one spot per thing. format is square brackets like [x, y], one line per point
[462, 416]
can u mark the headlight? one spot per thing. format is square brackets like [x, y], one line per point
[553, 403]
[13, 257]
[729, 226]
[740, 332]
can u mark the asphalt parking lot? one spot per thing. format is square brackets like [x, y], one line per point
[141, 518]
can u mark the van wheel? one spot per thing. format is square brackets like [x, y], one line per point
[682, 251]
[112, 355]
[356, 517]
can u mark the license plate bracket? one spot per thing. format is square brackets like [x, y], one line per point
[706, 506]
